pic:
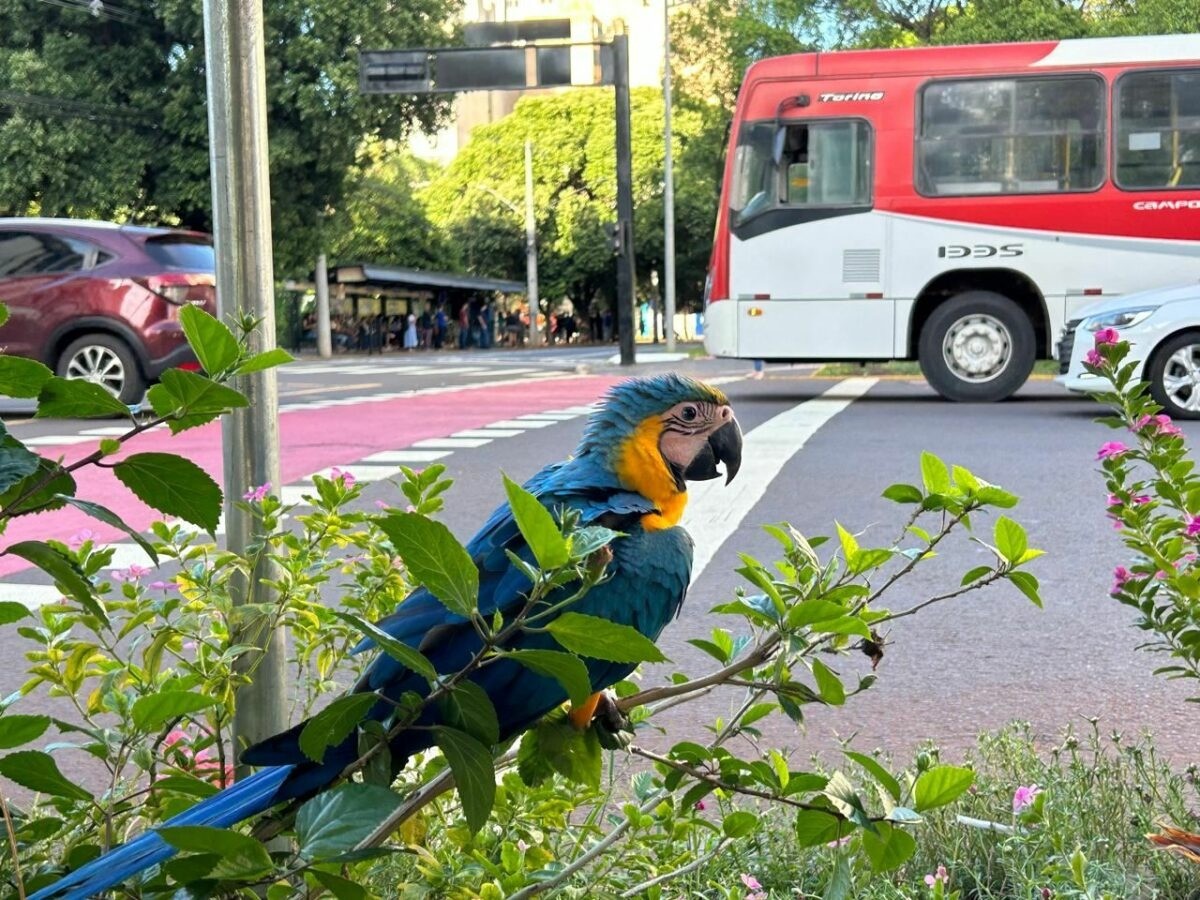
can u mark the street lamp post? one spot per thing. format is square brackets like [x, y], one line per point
[668, 190]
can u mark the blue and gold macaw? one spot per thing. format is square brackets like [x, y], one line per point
[629, 473]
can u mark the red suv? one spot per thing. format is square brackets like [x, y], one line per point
[100, 301]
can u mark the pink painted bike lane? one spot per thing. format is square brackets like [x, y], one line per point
[310, 440]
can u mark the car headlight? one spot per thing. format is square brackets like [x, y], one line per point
[1125, 318]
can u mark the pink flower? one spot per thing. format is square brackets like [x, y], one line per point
[381, 504]
[1160, 424]
[163, 586]
[1139, 499]
[1111, 449]
[1094, 358]
[258, 494]
[1113, 500]
[699, 806]
[346, 478]
[78, 539]
[751, 882]
[840, 842]
[1024, 796]
[1120, 576]
[133, 574]
[940, 875]
[1107, 336]
[1193, 526]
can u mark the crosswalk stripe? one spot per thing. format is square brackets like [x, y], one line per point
[451, 443]
[489, 432]
[715, 510]
[359, 472]
[396, 457]
[520, 423]
[31, 596]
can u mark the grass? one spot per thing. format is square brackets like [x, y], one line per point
[1043, 368]
[1102, 795]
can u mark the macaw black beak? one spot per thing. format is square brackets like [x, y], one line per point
[724, 446]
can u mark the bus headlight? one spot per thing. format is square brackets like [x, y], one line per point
[1125, 318]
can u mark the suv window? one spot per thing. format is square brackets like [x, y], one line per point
[182, 252]
[1011, 136]
[37, 253]
[820, 164]
[1158, 130]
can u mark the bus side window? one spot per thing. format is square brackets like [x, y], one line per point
[1158, 130]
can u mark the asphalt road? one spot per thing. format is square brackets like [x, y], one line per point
[955, 670]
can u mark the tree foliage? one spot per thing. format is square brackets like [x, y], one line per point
[105, 115]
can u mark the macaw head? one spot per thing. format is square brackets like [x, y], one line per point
[658, 433]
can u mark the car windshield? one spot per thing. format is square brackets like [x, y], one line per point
[182, 252]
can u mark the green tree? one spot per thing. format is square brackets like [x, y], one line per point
[105, 114]
[480, 197]
[995, 21]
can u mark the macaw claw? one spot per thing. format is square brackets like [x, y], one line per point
[612, 726]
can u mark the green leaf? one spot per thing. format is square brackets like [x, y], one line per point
[845, 625]
[12, 611]
[334, 724]
[38, 772]
[568, 670]
[108, 517]
[849, 543]
[809, 612]
[62, 398]
[814, 828]
[156, 710]
[17, 730]
[994, 496]
[43, 490]
[16, 463]
[22, 377]
[877, 771]
[756, 712]
[268, 359]
[1010, 539]
[964, 478]
[934, 474]
[341, 888]
[211, 341]
[3, 313]
[411, 659]
[841, 880]
[468, 708]
[199, 395]
[169, 407]
[828, 685]
[240, 856]
[845, 799]
[941, 785]
[67, 576]
[474, 774]
[173, 485]
[555, 745]
[435, 558]
[334, 822]
[903, 493]
[888, 847]
[537, 527]
[976, 573]
[739, 824]
[598, 638]
[1028, 585]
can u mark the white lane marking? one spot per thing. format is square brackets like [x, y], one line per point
[404, 456]
[359, 472]
[129, 554]
[520, 423]
[51, 440]
[715, 510]
[553, 417]
[31, 596]
[451, 443]
[293, 494]
[488, 432]
[107, 431]
[511, 371]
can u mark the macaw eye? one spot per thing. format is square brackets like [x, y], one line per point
[688, 413]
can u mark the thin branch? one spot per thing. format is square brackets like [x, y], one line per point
[709, 778]
[12, 843]
[757, 656]
[981, 583]
[683, 870]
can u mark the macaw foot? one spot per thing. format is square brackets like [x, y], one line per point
[613, 728]
[581, 715]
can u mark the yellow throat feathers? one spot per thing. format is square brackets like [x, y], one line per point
[641, 468]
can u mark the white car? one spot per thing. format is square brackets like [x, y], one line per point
[1163, 329]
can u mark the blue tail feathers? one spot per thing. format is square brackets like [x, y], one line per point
[242, 800]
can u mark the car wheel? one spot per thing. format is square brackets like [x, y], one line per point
[1174, 376]
[977, 347]
[107, 361]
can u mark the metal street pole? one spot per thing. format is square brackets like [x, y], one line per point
[237, 121]
[625, 262]
[668, 190]
[324, 332]
[531, 275]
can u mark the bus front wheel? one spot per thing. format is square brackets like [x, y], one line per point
[977, 347]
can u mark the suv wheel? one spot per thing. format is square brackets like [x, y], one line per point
[104, 360]
[1174, 376]
[977, 347]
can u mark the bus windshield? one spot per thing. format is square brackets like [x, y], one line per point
[825, 163]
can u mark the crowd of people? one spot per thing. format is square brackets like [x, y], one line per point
[477, 324]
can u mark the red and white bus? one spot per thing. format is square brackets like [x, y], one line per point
[953, 205]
